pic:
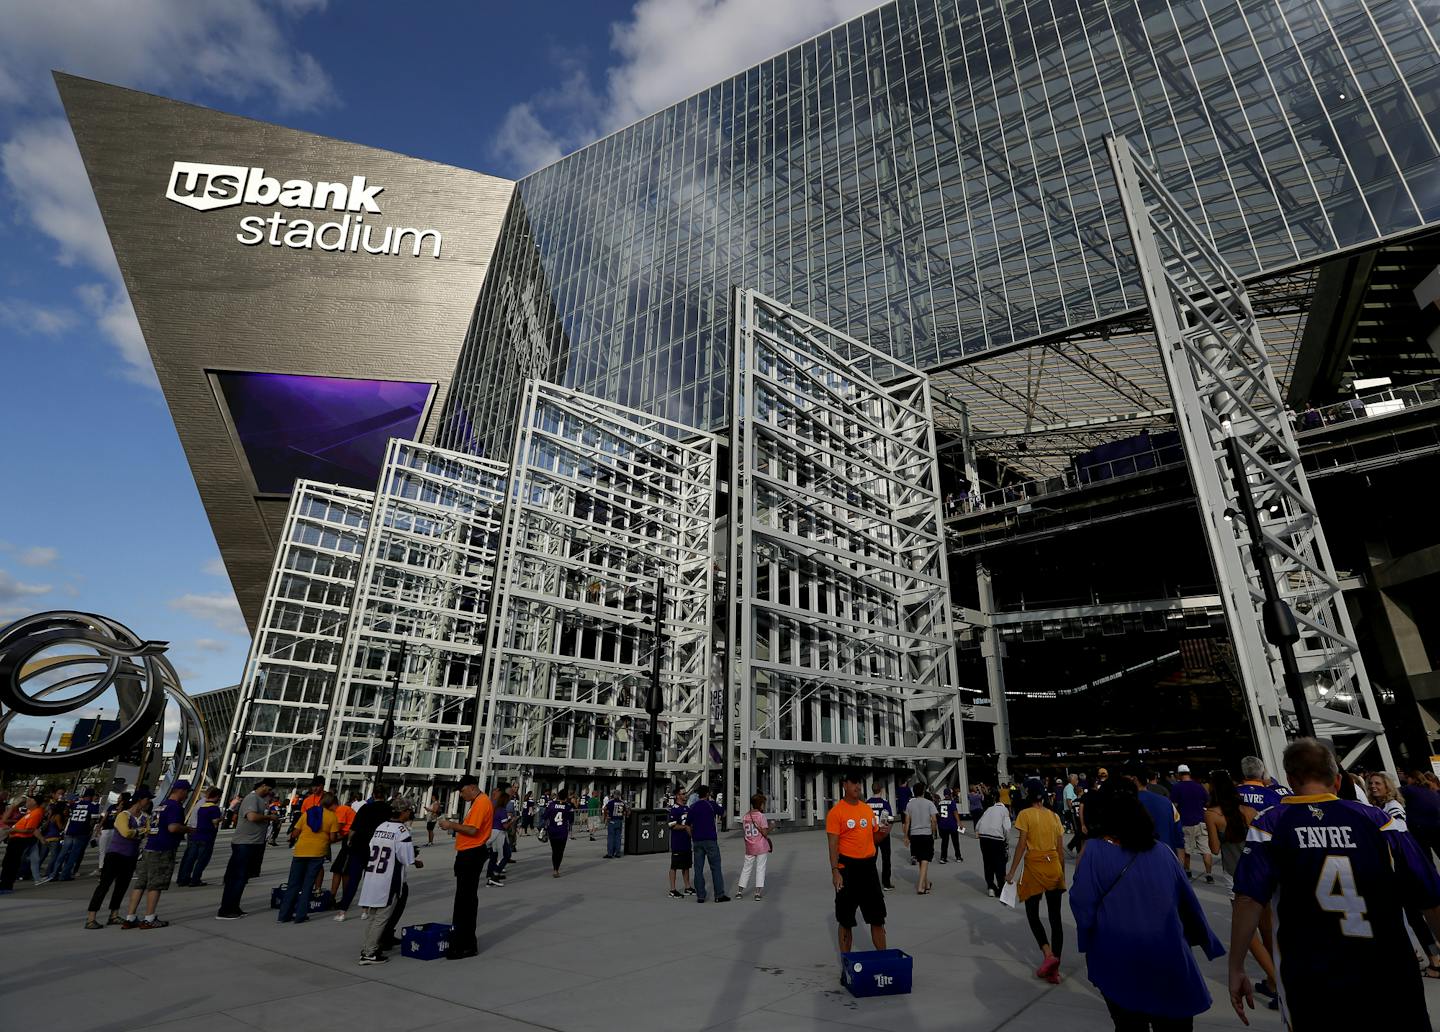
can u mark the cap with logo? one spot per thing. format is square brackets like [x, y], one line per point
[1182, 769]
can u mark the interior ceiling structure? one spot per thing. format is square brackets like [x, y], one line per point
[1033, 410]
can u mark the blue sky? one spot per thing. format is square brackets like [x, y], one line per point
[98, 511]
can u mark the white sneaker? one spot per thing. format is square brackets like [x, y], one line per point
[364, 914]
[340, 917]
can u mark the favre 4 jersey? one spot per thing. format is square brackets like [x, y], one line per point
[1339, 873]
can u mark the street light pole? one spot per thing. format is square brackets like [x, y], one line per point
[655, 698]
[1280, 627]
[387, 730]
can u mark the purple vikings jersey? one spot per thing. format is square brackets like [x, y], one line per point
[1338, 872]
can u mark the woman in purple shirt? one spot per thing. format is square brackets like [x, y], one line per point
[122, 850]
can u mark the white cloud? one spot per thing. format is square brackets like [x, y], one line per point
[221, 611]
[210, 645]
[236, 49]
[37, 555]
[11, 590]
[214, 567]
[666, 51]
[30, 319]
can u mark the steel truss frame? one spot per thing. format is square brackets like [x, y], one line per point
[425, 578]
[605, 501]
[289, 681]
[1223, 384]
[841, 634]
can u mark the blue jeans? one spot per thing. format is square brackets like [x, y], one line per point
[615, 837]
[295, 906]
[192, 864]
[41, 856]
[497, 863]
[707, 848]
[72, 851]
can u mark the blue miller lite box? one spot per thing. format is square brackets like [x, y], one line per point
[425, 941]
[319, 901]
[876, 972]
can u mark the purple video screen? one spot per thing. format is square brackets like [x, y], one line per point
[324, 428]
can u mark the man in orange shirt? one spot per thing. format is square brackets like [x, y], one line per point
[852, 831]
[339, 870]
[471, 836]
[20, 842]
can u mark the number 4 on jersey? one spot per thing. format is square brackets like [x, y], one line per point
[1335, 892]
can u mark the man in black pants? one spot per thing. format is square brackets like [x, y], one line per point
[470, 856]
[357, 852]
[883, 816]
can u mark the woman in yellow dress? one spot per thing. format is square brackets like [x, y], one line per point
[1042, 849]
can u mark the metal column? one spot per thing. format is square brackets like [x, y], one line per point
[1223, 384]
[993, 651]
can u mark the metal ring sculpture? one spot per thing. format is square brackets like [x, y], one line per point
[82, 643]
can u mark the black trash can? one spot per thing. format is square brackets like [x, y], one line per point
[646, 832]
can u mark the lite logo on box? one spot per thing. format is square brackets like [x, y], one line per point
[206, 187]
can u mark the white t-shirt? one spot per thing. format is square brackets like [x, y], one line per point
[391, 851]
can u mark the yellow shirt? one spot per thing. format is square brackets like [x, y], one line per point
[310, 843]
[1044, 866]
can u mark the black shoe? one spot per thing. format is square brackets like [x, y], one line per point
[235, 916]
[944, 861]
[676, 895]
[887, 888]
[373, 958]
[722, 899]
[689, 892]
[454, 954]
[496, 882]
[1209, 879]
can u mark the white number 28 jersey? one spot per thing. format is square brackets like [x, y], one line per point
[391, 851]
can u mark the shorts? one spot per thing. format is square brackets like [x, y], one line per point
[155, 869]
[861, 888]
[430, 825]
[922, 847]
[342, 860]
[681, 860]
[1197, 839]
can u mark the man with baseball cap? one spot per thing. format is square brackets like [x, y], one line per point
[852, 831]
[471, 836]
[1190, 798]
[157, 859]
[247, 848]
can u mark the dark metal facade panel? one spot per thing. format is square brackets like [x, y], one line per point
[206, 301]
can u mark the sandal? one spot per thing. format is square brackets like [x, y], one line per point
[92, 925]
[1429, 972]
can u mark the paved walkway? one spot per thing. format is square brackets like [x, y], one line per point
[601, 948]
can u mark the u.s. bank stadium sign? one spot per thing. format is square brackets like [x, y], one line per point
[207, 187]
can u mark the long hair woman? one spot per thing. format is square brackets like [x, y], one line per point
[1228, 821]
[1137, 917]
[1384, 793]
[1042, 849]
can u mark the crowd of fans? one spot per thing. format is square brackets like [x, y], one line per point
[1329, 872]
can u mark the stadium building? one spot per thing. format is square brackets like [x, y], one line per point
[1021, 269]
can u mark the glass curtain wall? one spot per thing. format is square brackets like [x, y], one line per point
[931, 178]
[842, 634]
[425, 579]
[606, 504]
[289, 682]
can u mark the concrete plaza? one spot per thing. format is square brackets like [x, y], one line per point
[601, 948]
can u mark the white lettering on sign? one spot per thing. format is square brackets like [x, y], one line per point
[206, 187]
